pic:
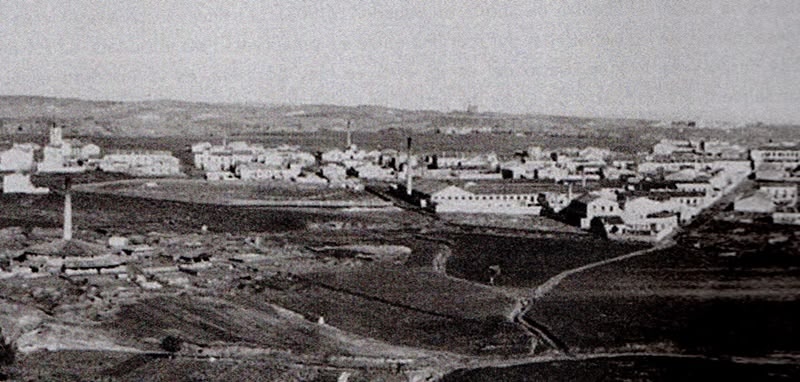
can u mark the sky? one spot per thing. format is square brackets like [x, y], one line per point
[731, 60]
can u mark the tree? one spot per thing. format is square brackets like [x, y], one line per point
[172, 344]
[8, 354]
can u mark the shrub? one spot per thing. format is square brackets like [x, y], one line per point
[8, 352]
[171, 344]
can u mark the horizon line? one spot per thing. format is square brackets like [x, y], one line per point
[480, 112]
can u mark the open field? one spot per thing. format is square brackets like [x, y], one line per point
[81, 366]
[238, 193]
[390, 322]
[411, 288]
[125, 215]
[634, 368]
[527, 262]
[681, 300]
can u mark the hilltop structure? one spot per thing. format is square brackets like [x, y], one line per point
[66, 156]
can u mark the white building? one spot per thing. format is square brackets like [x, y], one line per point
[642, 219]
[261, 171]
[200, 147]
[18, 158]
[142, 163]
[334, 173]
[219, 175]
[594, 205]
[89, 151]
[486, 199]
[65, 156]
[21, 184]
[781, 193]
[373, 171]
[786, 216]
[788, 153]
[672, 146]
[759, 202]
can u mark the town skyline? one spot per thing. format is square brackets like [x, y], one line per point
[680, 61]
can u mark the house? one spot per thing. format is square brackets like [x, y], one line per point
[687, 174]
[142, 250]
[333, 172]
[654, 226]
[583, 209]
[219, 175]
[61, 155]
[214, 161]
[671, 146]
[787, 153]
[104, 264]
[88, 151]
[17, 158]
[373, 171]
[781, 193]
[261, 171]
[773, 172]
[758, 202]
[786, 216]
[463, 161]
[200, 147]
[722, 149]
[642, 219]
[486, 198]
[142, 163]
[639, 208]
[21, 184]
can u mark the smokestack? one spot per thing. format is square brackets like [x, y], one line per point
[67, 210]
[409, 174]
[569, 191]
[349, 138]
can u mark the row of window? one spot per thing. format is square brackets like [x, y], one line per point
[783, 194]
[781, 154]
[603, 208]
[486, 197]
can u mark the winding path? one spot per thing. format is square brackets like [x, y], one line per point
[524, 305]
[553, 282]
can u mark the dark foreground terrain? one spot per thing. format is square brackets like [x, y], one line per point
[634, 368]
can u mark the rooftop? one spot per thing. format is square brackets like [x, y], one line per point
[665, 194]
[780, 147]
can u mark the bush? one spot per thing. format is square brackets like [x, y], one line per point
[8, 352]
[171, 344]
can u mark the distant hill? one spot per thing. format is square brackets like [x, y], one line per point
[33, 115]
[28, 114]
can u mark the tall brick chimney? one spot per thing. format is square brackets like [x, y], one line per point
[409, 172]
[67, 209]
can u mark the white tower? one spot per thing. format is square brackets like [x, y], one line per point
[56, 135]
[349, 137]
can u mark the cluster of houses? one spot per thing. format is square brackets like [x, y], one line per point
[777, 174]
[141, 163]
[641, 198]
[66, 156]
[241, 160]
[253, 162]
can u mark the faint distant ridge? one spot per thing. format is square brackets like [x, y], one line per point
[33, 114]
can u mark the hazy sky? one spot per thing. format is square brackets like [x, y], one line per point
[702, 59]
